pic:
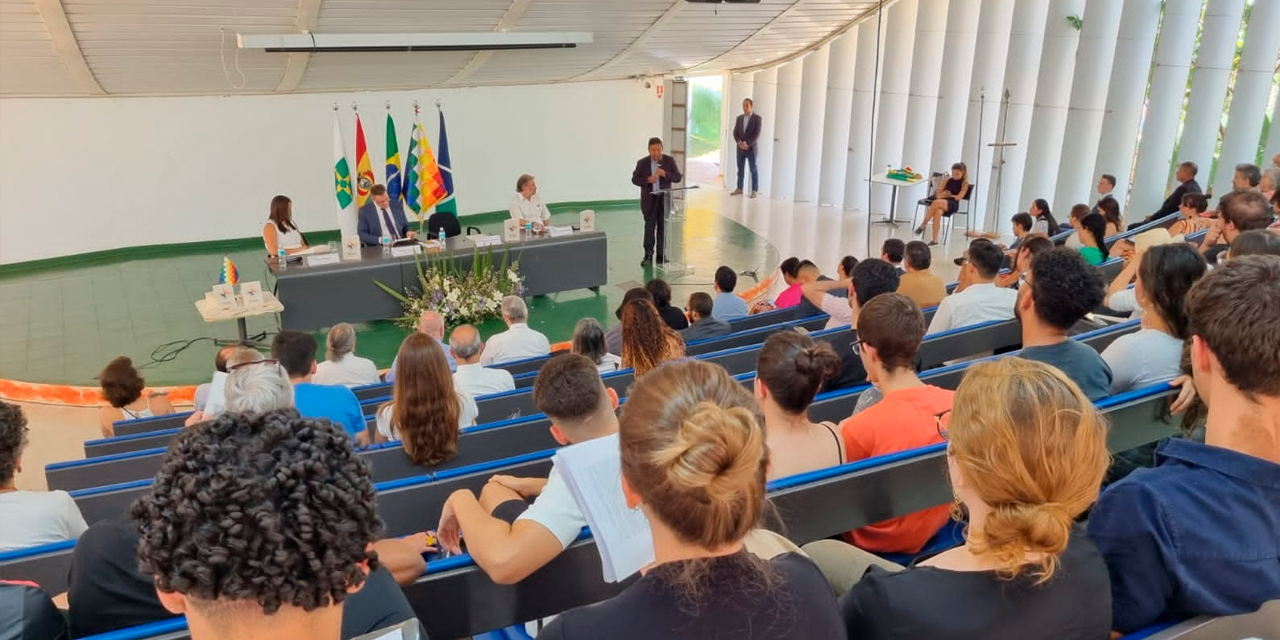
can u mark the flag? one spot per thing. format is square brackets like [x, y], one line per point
[422, 183]
[364, 171]
[393, 161]
[342, 181]
[447, 201]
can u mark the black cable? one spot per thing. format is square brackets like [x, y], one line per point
[169, 351]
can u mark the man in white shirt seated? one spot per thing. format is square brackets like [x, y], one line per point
[518, 341]
[527, 206]
[431, 324]
[32, 518]
[977, 299]
[473, 378]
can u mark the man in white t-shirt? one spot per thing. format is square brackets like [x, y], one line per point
[30, 518]
[507, 537]
[978, 299]
[527, 206]
[518, 341]
[473, 378]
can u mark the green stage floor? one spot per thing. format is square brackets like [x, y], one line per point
[62, 324]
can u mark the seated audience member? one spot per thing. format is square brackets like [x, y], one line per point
[1196, 535]
[977, 299]
[1044, 221]
[728, 306]
[341, 364]
[249, 388]
[507, 537]
[1239, 211]
[946, 200]
[918, 283]
[661, 292]
[1186, 177]
[1031, 246]
[703, 325]
[1060, 290]
[1247, 177]
[519, 341]
[1154, 353]
[822, 295]
[314, 517]
[613, 336]
[527, 205]
[892, 251]
[1093, 243]
[1110, 212]
[1022, 223]
[127, 397]
[1106, 184]
[472, 378]
[871, 278]
[694, 460]
[28, 613]
[789, 373]
[204, 389]
[1024, 469]
[426, 412]
[647, 341]
[890, 329]
[1078, 213]
[1193, 205]
[790, 297]
[280, 232]
[1270, 180]
[588, 341]
[1255, 243]
[30, 518]
[215, 400]
[430, 324]
[296, 352]
[805, 273]
[843, 269]
[1120, 296]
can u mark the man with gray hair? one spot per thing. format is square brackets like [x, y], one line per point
[527, 206]
[341, 364]
[518, 341]
[1246, 178]
[252, 384]
[431, 324]
[472, 377]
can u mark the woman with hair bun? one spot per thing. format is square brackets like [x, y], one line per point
[693, 460]
[1024, 468]
[789, 373]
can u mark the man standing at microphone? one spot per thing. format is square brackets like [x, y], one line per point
[654, 173]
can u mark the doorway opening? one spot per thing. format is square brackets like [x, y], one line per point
[703, 163]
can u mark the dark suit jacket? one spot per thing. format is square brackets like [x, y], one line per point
[370, 229]
[640, 178]
[1174, 200]
[706, 328]
[748, 131]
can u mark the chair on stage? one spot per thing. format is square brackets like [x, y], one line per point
[449, 222]
[962, 209]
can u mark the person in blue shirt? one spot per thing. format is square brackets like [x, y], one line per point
[296, 352]
[727, 306]
[1197, 535]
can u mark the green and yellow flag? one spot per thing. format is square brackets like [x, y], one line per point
[342, 180]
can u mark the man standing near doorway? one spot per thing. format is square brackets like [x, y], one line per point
[654, 173]
[745, 132]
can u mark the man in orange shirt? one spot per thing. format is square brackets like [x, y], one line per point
[890, 328]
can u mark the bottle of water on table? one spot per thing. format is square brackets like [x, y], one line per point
[281, 260]
[385, 241]
[441, 236]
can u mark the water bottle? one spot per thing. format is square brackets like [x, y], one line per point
[440, 235]
[528, 228]
[386, 245]
[281, 261]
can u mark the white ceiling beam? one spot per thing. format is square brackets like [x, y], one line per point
[509, 20]
[296, 66]
[66, 46]
[669, 15]
[835, 33]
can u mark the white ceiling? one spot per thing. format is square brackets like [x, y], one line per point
[165, 47]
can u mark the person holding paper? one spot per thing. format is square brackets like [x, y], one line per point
[507, 537]
[694, 460]
[382, 217]
[527, 206]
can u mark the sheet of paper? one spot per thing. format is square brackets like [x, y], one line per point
[593, 471]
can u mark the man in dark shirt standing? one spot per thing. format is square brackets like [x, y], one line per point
[1186, 175]
[654, 174]
[745, 132]
[1196, 535]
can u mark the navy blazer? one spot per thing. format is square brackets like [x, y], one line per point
[640, 178]
[370, 229]
[747, 132]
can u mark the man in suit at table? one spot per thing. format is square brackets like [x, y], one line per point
[745, 132]
[382, 217]
[655, 172]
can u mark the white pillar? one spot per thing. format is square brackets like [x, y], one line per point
[1164, 108]
[813, 101]
[835, 123]
[1135, 49]
[895, 83]
[786, 130]
[991, 51]
[1053, 95]
[741, 86]
[856, 187]
[1252, 89]
[766, 99]
[1219, 33]
[1020, 77]
[1273, 139]
[953, 90]
[1083, 126]
[922, 104]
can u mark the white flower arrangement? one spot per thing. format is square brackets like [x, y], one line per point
[459, 296]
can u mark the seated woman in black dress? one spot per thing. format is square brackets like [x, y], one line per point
[1025, 467]
[694, 460]
[946, 200]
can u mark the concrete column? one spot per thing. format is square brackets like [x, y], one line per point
[786, 130]
[1083, 125]
[895, 84]
[1252, 89]
[835, 124]
[1164, 108]
[922, 104]
[995, 22]
[1273, 139]
[813, 101]
[766, 98]
[741, 85]
[953, 90]
[1135, 49]
[856, 187]
[1219, 32]
[1020, 78]
[1053, 95]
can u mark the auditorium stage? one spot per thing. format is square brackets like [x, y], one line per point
[60, 325]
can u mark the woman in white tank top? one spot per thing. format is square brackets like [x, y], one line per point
[123, 389]
[279, 232]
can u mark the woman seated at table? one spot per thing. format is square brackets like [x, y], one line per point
[122, 388]
[279, 231]
[946, 200]
[425, 413]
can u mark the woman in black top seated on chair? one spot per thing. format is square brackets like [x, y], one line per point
[946, 200]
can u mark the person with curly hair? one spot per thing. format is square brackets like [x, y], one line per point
[1059, 291]
[123, 388]
[647, 341]
[259, 526]
[426, 412]
[30, 517]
